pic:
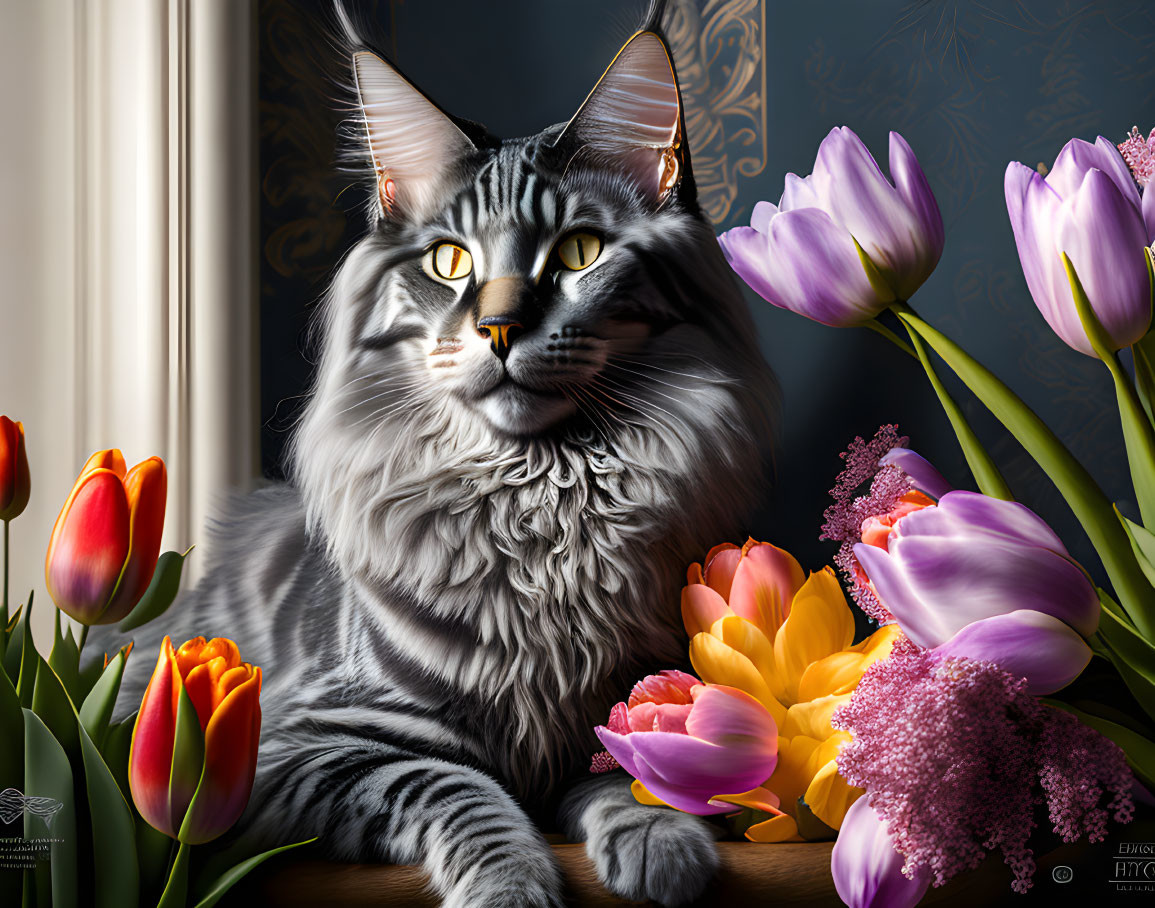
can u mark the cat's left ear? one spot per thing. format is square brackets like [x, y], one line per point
[413, 142]
[633, 117]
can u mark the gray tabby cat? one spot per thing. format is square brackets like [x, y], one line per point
[540, 397]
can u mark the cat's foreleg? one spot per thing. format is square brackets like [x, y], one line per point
[369, 802]
[640, 852]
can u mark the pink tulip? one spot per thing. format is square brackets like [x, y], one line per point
[688, 742]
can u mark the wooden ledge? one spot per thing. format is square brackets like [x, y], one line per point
[785, 874]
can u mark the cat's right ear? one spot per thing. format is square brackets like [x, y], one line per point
[414, 144]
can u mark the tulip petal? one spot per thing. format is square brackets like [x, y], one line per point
[829, 796]
[644, 796]
[1149, 213]
[777, 829]
[742, 636]
[792, 773]
[922, 473]
[807, 264]
[760, 798]
[971, 514]
[146, 488]
[717, 663]
[1028, 644]
[862, 200]
[701, 607]
[1034, 208]
[718, 569]
[913, 188]
[230, 764]
[811, 718]
[764, 585]
[761, 216]
[1104, 235]
[150, 754]
[820, 623]
[798, 192]
[1079, 156]
[15, 481]
[666, 687]
[88, 547]
[732, 718]
[867, 870]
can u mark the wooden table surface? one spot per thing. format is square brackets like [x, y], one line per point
[751, 875]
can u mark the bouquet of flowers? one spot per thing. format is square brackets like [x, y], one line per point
[942, 736]
[116, 807]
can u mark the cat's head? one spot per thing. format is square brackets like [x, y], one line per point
[562, 289]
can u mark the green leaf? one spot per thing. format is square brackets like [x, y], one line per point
[1142, 544]
[1139, 749]
[47, 774]
[1090, 506]
[161, 591]
[990, 481]
[153, 851]
[113, 833]
[176, 889]
[50, 702]
[26, 675]
[1138, 435]
[1143, 354]
[222, 884]
[15, 646]
[96, 711]
[188, 753]
[11, 737]
[1132, 656]
[65, 660]
[115, 750]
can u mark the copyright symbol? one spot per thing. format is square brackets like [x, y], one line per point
[1062, 874]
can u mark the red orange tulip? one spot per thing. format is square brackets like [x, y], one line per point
[194, 747]
[106, 541]
[15, 483]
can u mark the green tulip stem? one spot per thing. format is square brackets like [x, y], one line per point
[175, 893]
[1138, 436]
[4, 606]
[878, 328]
[1145, 376]
[990, 480]
[1091, 507]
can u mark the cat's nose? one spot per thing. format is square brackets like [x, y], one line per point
[502, 306]
[501, 330]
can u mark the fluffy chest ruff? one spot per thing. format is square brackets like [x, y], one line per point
[525, 583]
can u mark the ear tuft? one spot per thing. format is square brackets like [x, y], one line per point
[414, 144]
[633, 116]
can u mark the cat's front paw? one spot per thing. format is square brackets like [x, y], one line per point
[511, 883]
[655, 853]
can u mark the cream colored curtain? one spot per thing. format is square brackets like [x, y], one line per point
[128, 297]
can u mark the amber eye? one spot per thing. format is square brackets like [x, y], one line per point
[448, 261]
[579, 250]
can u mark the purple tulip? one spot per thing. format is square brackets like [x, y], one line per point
[987, 579]
[843, 243]
[688, 742]
[866, 868]
[1088, 206]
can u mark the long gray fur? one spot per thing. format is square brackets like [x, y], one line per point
[444, 608]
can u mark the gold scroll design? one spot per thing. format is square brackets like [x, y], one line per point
[719, 49]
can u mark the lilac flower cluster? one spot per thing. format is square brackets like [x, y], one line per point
[955, 754]
[1139, 153]
[843, 519]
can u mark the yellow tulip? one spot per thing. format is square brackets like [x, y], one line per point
[759, 625]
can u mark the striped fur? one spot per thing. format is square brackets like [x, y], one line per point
[467, 572]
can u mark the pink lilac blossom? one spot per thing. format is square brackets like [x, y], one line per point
[1139, 153]
[955, 755]
[603, 761]
[843, 519]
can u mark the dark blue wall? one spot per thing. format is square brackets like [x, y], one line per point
[971, 86]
